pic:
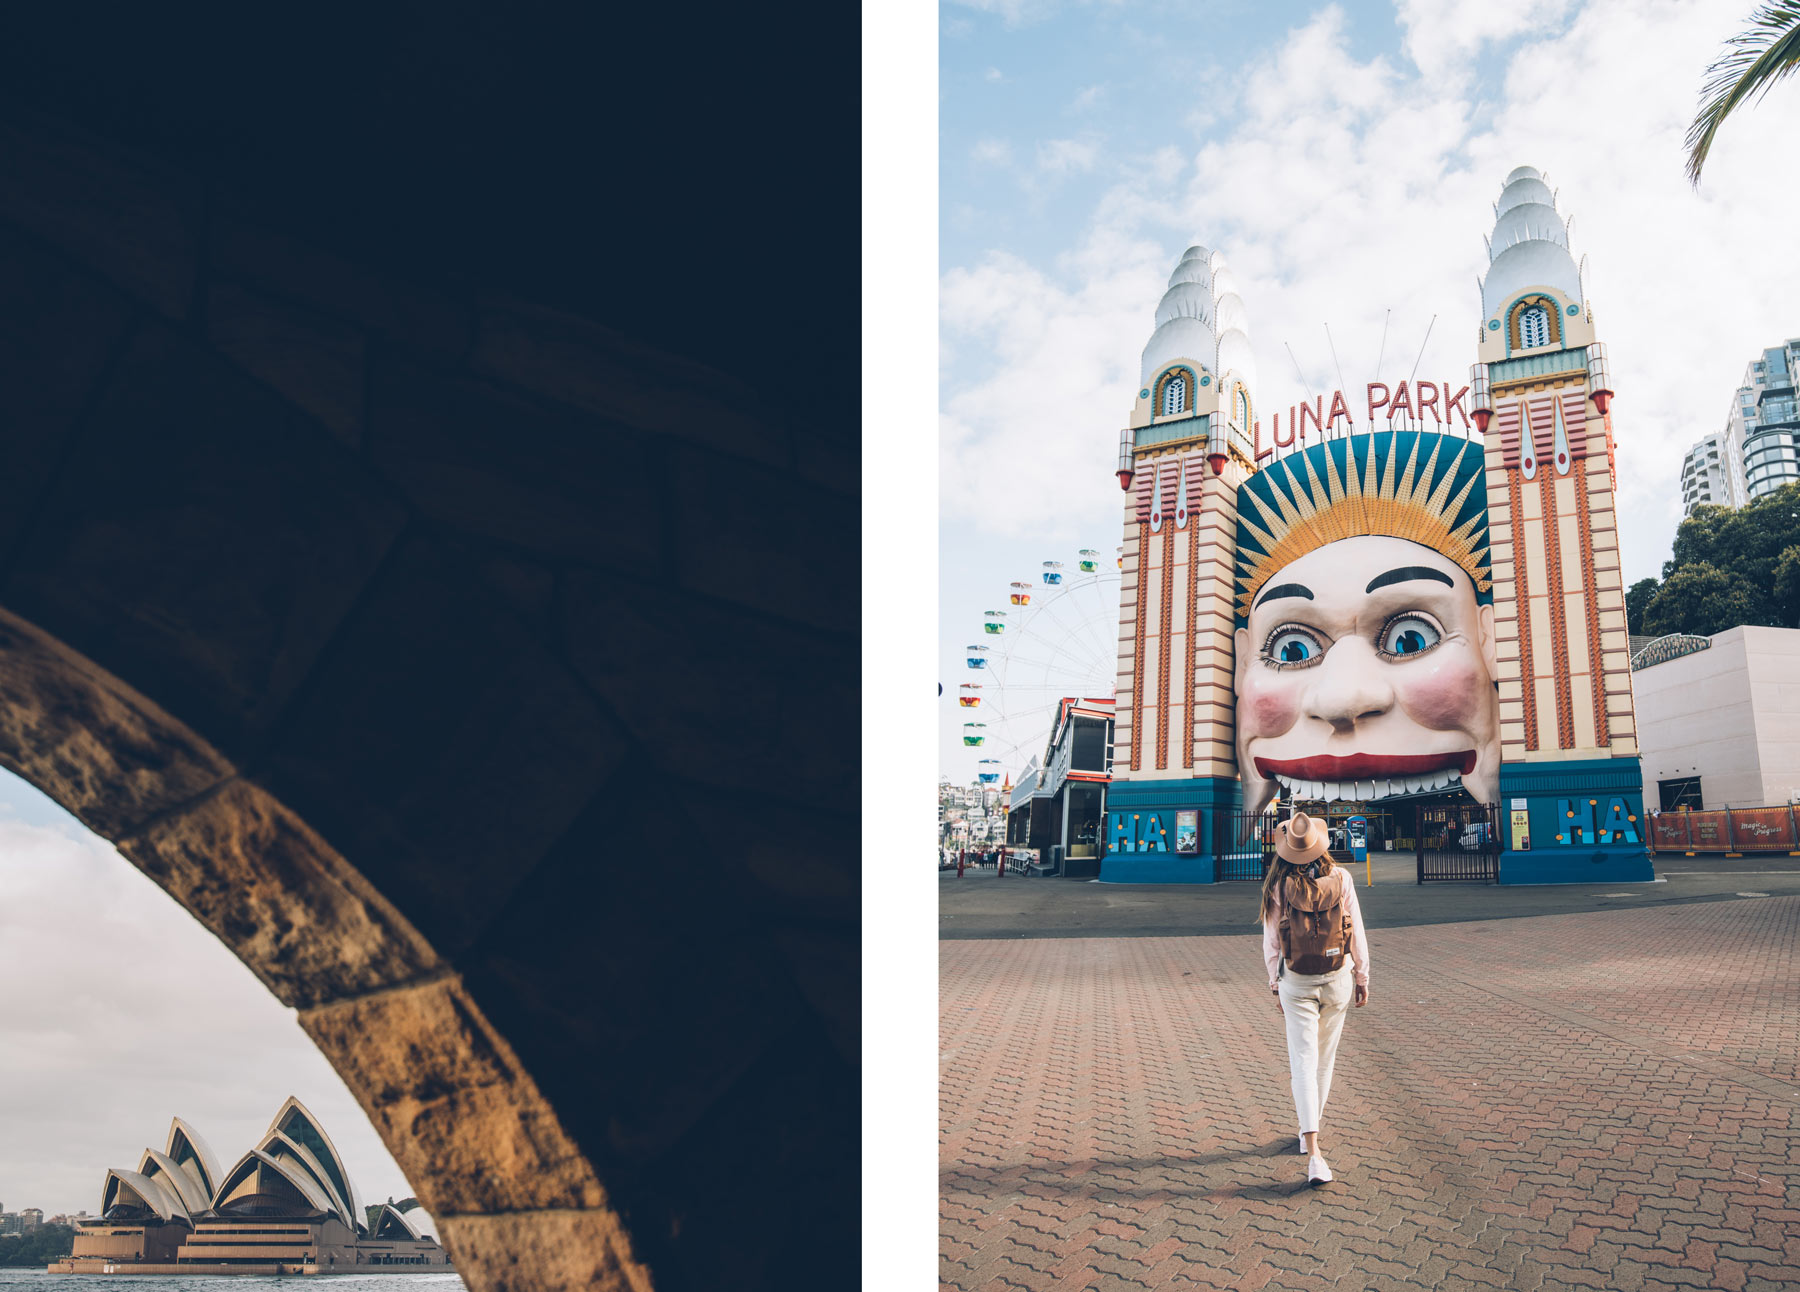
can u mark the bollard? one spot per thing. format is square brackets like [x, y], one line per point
[962, 858]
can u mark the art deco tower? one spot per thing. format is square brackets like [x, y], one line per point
[1541, 393]
[1187, 448]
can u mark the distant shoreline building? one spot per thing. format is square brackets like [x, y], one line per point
[286, 1207]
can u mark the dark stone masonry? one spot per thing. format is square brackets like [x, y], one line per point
[447, 632]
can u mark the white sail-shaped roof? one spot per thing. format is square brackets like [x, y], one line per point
[164, 1169]
[300, 1126]
[192, 1155]
[259, 1175]
[392, 1223]
[283, 1149]
[131, 1189]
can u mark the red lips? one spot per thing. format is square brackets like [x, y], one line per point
[1363, 767]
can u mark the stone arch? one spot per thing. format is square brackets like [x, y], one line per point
[380, 624]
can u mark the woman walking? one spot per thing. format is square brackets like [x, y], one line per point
[1318, 960]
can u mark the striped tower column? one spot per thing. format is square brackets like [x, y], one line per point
[1568, 734]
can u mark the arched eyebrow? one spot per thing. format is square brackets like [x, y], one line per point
[1284, 590]
[1406, 574]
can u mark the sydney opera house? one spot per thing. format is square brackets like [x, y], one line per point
[286, 1207]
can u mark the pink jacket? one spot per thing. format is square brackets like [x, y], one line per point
[1359, 940]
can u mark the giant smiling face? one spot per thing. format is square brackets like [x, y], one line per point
[1367, 670]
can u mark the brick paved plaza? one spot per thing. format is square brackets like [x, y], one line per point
[1602, 1099]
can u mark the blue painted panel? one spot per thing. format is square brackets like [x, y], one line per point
[1585, 818]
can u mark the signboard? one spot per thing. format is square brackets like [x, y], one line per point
[1187, 830]
[1769, 829]
[1356, 834]
[1521, 827]
[1709, 830]
[1669, 831]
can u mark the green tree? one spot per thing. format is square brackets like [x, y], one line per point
[42, 1245]
[1637, 596]
[1703, 599]
[1787, 586]
[1733, 559]
[1753, 61]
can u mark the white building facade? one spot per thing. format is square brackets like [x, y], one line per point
[1712, 474]
[1720, 727]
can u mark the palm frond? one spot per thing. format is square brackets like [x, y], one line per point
[1754, 60]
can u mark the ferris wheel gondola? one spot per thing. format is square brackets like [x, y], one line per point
[970, 697]
[1061, 642]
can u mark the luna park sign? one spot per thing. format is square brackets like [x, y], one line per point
[1413, 400]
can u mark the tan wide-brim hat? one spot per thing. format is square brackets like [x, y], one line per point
[1301, 840]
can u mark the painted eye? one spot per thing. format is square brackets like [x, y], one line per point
[1409, 635]
[1291, 646]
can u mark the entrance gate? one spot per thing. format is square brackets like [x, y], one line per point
[1460, 841]
[1244, 844]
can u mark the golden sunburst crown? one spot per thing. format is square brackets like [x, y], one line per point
[1423, 487]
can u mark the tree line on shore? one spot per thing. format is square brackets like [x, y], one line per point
[42, 1245]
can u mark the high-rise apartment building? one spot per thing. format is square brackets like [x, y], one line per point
[1764, 422]
[1759, 449]
[1712, 474]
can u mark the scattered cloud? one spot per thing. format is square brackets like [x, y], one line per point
[1088, 99]
[1362, 203]
[992, 152]
[1062, 156]
[993, 74]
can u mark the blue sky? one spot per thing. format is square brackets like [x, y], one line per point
[1344, 158]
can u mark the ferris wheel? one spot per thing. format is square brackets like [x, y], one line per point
[1054, 637]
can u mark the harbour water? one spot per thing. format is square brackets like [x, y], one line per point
[36, 1280]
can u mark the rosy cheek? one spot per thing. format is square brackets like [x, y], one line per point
[1269, 703]
[1447, 695]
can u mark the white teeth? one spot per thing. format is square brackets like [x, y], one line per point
[1365, 789]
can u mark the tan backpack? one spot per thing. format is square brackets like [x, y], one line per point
[1315, 937]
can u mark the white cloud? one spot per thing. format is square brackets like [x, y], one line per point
[1443, 35]
[993, 74]
[1063, 156]
[1088, 99]
[1372, 191]
[120, 1012]
[992, 152]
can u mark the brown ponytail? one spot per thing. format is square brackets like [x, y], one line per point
[1279, 872]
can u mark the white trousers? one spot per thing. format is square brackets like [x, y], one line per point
[1314, 1006]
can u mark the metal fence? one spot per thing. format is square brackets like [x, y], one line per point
[1459, 843]
[1244, 844]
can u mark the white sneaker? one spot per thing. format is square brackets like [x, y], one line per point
[1316, 1170]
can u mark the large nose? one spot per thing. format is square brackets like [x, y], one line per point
[1349, 686]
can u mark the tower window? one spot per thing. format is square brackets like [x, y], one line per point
[1175, 394]
[1534, 327]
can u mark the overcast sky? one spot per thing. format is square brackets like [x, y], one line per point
[118, 1011]
[1345, 159]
